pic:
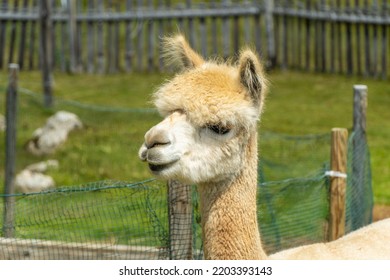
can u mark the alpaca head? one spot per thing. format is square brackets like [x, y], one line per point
[210, 112]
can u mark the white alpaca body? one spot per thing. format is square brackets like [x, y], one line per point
[368, 243]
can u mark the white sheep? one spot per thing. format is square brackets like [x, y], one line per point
[2, 123]
[45, 140]
[32, 179]
[28, 181]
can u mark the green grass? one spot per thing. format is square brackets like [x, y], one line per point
[107, 147]
[298, 104]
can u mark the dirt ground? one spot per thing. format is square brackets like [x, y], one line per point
[381, 212]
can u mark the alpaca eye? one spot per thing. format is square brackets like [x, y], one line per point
[221, 130]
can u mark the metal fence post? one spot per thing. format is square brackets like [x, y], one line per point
[10, 151]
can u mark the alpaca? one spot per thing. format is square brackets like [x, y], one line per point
[209, 137]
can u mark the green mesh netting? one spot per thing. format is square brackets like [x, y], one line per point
[359, 197]
[294, 204]
[109, 220]
[293, 191]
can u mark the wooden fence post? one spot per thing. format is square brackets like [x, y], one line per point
[91, 40]
[129, 53]
[101, 60]
[3, 34]
[10, 151]
[359, 143]
[359, 108]
[180, 220]
[226, 32]
[270, 32]
[46, 51]
[72, 35]
[338, 183]
[23, 37]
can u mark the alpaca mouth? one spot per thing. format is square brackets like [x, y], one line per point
[156, 168]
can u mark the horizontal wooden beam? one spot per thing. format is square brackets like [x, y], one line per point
[36, 249]
[227, 11]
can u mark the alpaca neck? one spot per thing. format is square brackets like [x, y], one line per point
[229, 216]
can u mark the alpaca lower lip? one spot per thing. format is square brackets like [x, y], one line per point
[156, 168]
[159, 167]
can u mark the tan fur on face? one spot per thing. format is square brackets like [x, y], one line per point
[208, 95]
[209, 92]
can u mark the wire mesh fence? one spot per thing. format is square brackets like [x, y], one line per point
[359, 199]
[102, 220]
[120, 220]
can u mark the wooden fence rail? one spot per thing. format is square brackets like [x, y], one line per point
[107, 36]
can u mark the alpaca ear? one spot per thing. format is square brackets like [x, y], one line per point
[177, 52]
[252, 77]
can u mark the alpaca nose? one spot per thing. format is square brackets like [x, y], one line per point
[155, 138]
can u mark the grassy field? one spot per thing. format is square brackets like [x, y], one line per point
[298, 104]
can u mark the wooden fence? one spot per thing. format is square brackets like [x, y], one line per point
[107, 36]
